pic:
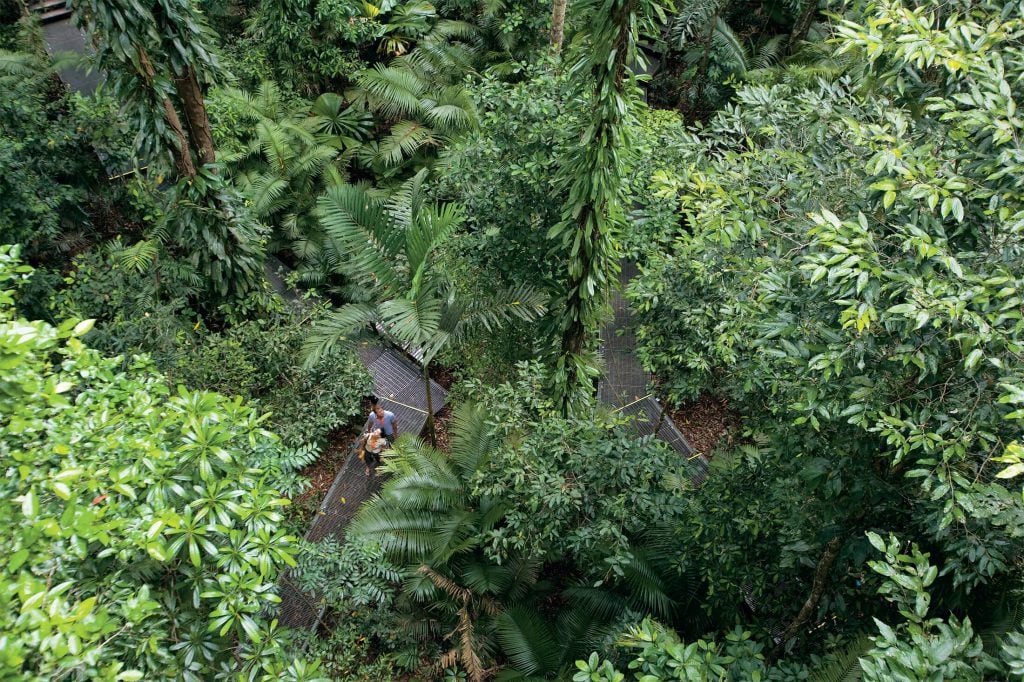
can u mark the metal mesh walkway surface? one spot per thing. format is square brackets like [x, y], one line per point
[398, 383]
[625, 385]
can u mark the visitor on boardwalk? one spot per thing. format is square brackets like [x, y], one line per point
[382, 419]
[373, 446]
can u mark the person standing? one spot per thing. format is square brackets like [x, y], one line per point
[382, 419]
[374, 444]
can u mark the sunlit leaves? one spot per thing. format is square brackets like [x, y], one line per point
[169, 540]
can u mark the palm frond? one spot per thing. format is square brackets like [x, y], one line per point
[522, 302]
[138, 257]
[430, 227]
[730, 54]
[404, 140]
[337, 326]
[647, 586]
[595, 604]
[528, 641]
[692, 21]
[362, 234]
[265, 193]
[472, 438]
[330, 115]
[445, 584]
[20, 64]
[394, 92]
[411, 321]
[406, 200]
[449, 118]
[769, 54]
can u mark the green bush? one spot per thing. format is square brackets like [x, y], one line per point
[143, 538]
[258, 357]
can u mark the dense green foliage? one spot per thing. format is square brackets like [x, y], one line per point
[143, 528]
[827, 230]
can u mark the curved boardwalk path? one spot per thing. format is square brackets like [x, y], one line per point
[398, 383]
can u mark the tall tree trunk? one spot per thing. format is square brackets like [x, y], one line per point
[182, 153]
[557, 25]
[817, 589]
[431, 432]
[802, 25]
[195, 113]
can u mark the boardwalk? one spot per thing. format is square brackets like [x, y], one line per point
[63, 37]
[398, 384]
[626, 386]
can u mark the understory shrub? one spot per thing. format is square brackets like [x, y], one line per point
[257, 357]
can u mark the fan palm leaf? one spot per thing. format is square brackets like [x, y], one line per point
[332, 116]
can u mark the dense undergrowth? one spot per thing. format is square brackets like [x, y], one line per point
[822, 201]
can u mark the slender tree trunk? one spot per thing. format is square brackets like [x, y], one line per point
[817, 589]
[802, 25]
[430, 407]
[557, 25]
[195, 113]
[182, 154]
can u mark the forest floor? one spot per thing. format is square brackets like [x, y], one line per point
[705, 421]
[322, 472]
[445, 376]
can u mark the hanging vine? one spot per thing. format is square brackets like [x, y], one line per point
[587, 232]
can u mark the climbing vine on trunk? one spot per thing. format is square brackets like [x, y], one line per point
[156, 56]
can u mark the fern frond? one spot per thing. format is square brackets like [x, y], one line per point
[844, 665]
[769, 54]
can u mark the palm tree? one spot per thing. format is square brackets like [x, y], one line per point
[388, 248]
[426, 517]
[286, 157]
